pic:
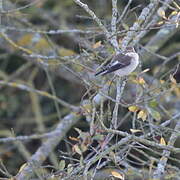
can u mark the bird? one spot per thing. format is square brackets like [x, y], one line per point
[121, 64]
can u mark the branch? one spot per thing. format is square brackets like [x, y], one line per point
[94, 17]
[47, 147]
[159, 172]
[113, 25]
[119, 91]
[42, 93]
[134, 30]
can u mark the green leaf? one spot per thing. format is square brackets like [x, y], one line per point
[153, 103]
[62, 165]
[155, 114]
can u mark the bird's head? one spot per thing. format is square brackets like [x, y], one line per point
[130, 49]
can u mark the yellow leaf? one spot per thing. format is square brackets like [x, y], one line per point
[141, 81]
[162, 141]
[133, 108]
[177, 91]
[66, 52]
[172, 79]
[117, 175]
[73, 138]
[161, 13]
[160, 23]
[83, 147]
[54, 62]
[25, 40]
[162, 81]
[22, 167]
[87, 108]
[97, 44]
[77, 149]
[142, 115]
[41, 44]
[146, 70]
[173, 13]
[135, 130]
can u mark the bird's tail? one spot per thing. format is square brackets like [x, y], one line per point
[101, 73]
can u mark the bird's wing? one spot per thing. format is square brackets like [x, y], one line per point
[119, 61]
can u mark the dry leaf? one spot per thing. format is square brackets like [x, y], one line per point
[162, 81]
[117, 175]
[135, 130]
[146, 70]
[162, 141]
[97, 44]
[172, 79]
[142, 115]
[73, 138]
[160, 23]
[22, 167]
[141, 81]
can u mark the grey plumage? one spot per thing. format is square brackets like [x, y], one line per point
[121, 64]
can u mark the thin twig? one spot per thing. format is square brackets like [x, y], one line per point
[159, 172]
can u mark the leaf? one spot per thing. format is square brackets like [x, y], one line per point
[66, 52]
[73, 138]
[133, 108]
[42, 44]
[162, 81]
[142, 115]
[98, 137]
[97, 44]
[174, 13]
[135, 130]
[153, 103]
[160, 23]
[155, 114]
[62, 165]
[25, 40]
[145, 70]
[162, 141]
[161, 13]
[83, 148]
[172, 79]
[69, 168]
[141, 81]
[125, 26]
[117, 175]
[78, 130]
[22, 167]
[77, 149]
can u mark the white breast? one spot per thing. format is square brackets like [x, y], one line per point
[130, 68]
